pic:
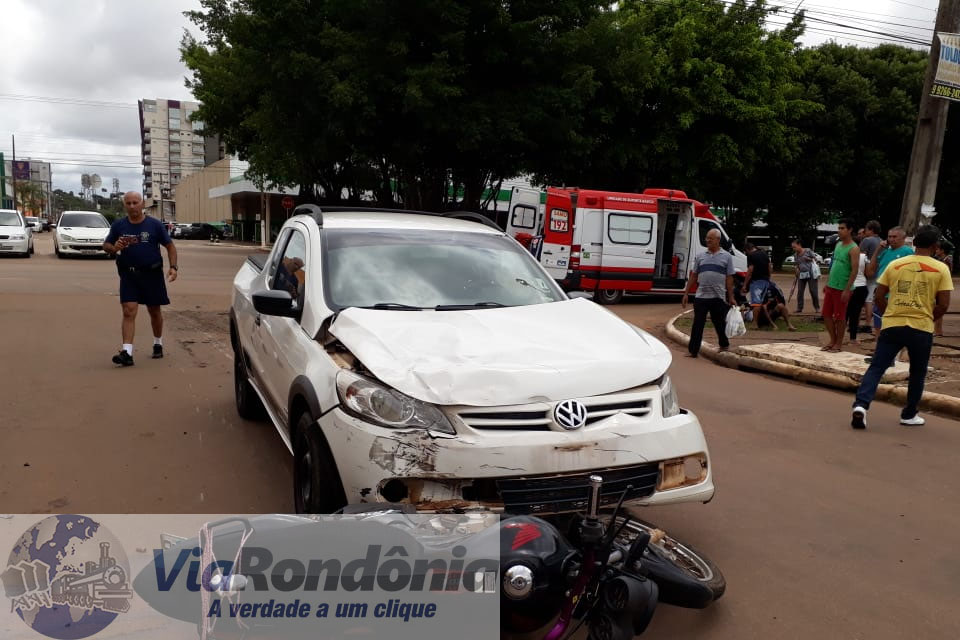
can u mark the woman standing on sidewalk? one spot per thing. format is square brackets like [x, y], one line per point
[808, 273]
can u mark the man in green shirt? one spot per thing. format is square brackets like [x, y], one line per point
[836, 295]
[894, 248]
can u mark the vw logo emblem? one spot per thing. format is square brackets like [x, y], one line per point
[570, 414]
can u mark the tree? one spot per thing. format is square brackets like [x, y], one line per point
[693, 94]
[31, 198]
[420, 103]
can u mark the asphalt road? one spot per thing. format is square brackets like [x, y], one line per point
[822, 532]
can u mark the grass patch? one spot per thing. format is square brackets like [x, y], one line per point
[805, 325]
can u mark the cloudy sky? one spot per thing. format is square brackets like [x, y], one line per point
[73, 71]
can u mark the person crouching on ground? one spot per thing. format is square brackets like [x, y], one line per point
[773, 307]
[135, 241]
[919, 287]
[712, 275]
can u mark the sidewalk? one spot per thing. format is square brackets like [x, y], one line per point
[797, 355]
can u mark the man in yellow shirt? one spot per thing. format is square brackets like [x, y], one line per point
[919, 286]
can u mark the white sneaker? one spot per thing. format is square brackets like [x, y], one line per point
[915, 421]
[859, 420]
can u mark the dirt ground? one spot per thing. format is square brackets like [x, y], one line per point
[821, 531]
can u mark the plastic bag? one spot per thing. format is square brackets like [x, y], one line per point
[734, 325]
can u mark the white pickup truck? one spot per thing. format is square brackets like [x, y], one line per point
[425, 359]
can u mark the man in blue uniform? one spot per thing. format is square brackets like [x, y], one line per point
[135, 241]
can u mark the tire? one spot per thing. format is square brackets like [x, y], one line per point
[56, 250]
[316, 482]
[30, 253]
[609, 296]
[685, 576]
[249, 405]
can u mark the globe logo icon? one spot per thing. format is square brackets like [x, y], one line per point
[68, 577]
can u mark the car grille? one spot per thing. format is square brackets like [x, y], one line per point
[528, 418]
[4, 237]
[557, 494]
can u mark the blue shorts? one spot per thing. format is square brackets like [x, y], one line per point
[758, 291]
[877, 320]
[144, 287]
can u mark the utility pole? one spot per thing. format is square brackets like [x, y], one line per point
[921, 188]
[13, 169]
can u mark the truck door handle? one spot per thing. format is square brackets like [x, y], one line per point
[650, 253]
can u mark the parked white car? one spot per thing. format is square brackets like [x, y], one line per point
[415, 358]
[35, 224]
[16, 235]
[80, 233]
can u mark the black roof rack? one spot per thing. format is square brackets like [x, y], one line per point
[316, 212]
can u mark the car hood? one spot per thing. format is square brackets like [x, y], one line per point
[84, 233]
[492, 357]
[11, 230]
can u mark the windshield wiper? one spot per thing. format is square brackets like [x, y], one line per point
[392, 306]
[462, 307]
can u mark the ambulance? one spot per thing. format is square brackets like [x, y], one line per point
[612, 243]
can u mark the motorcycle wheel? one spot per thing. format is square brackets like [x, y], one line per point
[685, 576]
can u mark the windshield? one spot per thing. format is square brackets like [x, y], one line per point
[428, 269]
[32, 219]
[93, 220]
[9, 219]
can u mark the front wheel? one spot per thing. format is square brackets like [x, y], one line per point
[609, 296]
[686, 577]
[316, 482]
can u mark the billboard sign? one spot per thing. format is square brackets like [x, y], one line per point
[21, 170]
[946, 84]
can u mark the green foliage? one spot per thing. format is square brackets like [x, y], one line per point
[425, 103]
[31, 198]
[399, 99]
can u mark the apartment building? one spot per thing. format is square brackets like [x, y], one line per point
[172, 148]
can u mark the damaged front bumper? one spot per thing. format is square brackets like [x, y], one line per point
[655, 460]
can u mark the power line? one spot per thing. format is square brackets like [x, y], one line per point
[854, 12]
[907, 4]
[71, 101]
[848, 36]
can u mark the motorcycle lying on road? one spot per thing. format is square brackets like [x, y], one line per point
[603, 570]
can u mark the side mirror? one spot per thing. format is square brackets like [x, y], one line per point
[581, 294]
[272, 302]
[727, 244]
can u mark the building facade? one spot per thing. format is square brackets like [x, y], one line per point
[172, 147]
[37, 174]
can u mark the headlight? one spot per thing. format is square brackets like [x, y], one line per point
[19, 237]
[668, 398]
[64, 236]
[387, 407]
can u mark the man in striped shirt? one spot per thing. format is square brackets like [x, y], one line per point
[712, 275]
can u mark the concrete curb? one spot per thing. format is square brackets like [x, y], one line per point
[938, 402]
